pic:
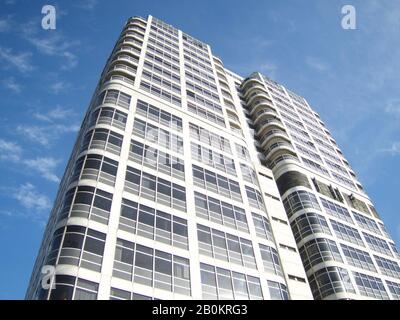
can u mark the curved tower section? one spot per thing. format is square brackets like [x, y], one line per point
[346, 252]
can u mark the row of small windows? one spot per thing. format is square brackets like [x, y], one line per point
[153, 224]
[242, 152]
[95, 167]
[308, 153]
[162, 40]
[213, 159]
[195, 50]
[249, 174]
[155, 189]
[78, 246]
[370, 286]
[70, 288]
[293, 128]
[166, 27]
[199, 72]
[358, 258]
[330, 280]
[161, 71]
[212, 139]
[346, 233]
[157, 160]
[151, 267]
[118, 294]
[394, 289]
[309, 223]
[199, 80]
[366, 223]
[329, 155]
[165, 84]
[197, 56]
[262, 227]
[377, 244]
[315, 166]
[270, 260]
[255, 198]
[319, 250]
[164, 33]
[210, 116]
[388, 267]
[165, 54]
[162, 45]
[204, 102]
[336, 167]
[299, 200]
[220, 212]
[108, 116]
[303, 141]
[343, 180]
[114, 97]
[226, 247]
[87, 202]
[216, 183]
[223, 284]
[336, 210]
[102, 139]
[197, 64]
[161, 137]
[205, 92]
[160, 93]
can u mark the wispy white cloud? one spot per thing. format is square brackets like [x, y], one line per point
[394, 149]
[393, 107]
[87, 4]
[59, 87]
[20, 61]
[316, 64]
[45, 135]
[5, 24]
[10, 150]
[45, 166]
[53, 44]
[35, 133]
[269, 69]
[11, 84]
[58, 113]
[28, 196]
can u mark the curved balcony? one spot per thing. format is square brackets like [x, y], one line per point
[132, 41]
[126, 58]
[273, 135]
[118, 77]
[269, 124]
[134, 33]
[128, 48]
[258, 95]
[251, 87]
[279, 148]
[264, 114]
[250, 80]
[260, 105]
[136, 21]
[120, 71]
[122, 67]
[282, 159]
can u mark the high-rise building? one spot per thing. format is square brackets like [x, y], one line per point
[188, 181]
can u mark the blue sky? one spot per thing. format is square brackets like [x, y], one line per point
[350, 77]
